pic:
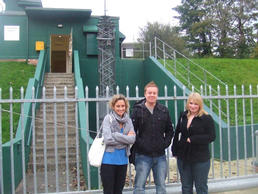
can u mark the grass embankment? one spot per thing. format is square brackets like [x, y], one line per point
[15, 75]
[238, 72]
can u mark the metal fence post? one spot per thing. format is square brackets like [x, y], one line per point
[256, 161]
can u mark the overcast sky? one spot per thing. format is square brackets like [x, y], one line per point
[133, 14]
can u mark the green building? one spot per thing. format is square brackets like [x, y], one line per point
[26, 28]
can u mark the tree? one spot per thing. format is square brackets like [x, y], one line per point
[220, 16]
[166, 33]
[245, 16]
[225, 28]
[196, 26]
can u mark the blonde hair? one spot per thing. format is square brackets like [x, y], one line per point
[196, 98]
[117, 97]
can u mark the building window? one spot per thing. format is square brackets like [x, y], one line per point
[129, 52]
[11, 33]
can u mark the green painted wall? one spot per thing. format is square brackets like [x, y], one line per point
[12, 5]
[154, 71]
[13, 49]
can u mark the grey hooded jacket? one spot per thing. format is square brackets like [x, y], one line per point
[113, 138]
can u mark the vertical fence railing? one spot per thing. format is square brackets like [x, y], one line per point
[23, 143]
[45, 141]
[11, 141]
[256, 159]
[1, 148]
[235, 144]
[77, 142]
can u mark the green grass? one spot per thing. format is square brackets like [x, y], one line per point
[238, 72]
[15, 75]
[233, 71]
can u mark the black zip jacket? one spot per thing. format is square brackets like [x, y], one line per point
[154, 132]
[201, 133]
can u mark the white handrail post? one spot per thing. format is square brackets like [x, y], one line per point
[174, 53]
[155, 46]
[150, 48]
[164, 55]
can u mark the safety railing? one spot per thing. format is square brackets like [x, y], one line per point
[233, 155]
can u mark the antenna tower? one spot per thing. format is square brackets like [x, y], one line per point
[106, 57]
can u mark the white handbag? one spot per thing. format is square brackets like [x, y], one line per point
[97, 150]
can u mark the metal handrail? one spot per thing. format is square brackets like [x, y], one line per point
[220, 82]
[163, 54]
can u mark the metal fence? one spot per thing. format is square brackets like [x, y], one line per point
[233, 152]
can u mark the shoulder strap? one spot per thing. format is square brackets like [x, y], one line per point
[101, 126]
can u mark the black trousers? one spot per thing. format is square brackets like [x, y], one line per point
[113, 178]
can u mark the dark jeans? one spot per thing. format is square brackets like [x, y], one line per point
[113, 178]
[196, 173]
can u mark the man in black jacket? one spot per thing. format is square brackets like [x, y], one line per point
[154, 131]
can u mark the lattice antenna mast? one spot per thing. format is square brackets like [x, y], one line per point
[106, 58]
[105, 8]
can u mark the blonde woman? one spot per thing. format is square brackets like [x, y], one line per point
[118, 133]
[194, 132]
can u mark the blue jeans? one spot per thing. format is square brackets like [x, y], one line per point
[194, 172]
[143, 165]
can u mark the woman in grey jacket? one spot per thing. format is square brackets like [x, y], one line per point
[118, 132]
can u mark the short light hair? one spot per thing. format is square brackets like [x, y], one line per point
[196, 98]
[117, 97]
[150, 84]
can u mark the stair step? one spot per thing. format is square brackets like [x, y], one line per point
[51, 166]
[60, 94]
[51, 134]
[59, 106]
[59, 75]
[50, 131]
[59, 123]
[51, 149]
[59, 88]
[58, 112]
[59, 116]
[58, 82]
[61, 156]
[60, 142]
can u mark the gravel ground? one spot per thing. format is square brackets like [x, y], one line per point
[218, 170]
